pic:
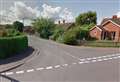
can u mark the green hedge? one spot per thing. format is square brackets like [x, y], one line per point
[12, 45]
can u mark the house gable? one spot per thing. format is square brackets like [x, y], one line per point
[96, 27]
[111, 26]
[110, 21]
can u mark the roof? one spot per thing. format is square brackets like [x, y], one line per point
[66, 26]
[100, 26]
[115, 20]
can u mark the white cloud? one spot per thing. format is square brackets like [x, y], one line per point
[66, 15]
[50, 12]
[20, 11]
[118, 14]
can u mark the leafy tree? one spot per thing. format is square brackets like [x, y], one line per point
[18, 26]
[57, 33]
[70, 36]
[86, 18]
[44, 26]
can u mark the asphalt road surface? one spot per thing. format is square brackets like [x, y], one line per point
[56, 62]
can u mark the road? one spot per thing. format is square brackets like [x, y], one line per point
[56, 62]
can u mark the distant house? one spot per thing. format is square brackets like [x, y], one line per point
[64, 25]
[29, 29]
[109, 29]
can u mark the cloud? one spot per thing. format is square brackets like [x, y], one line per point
[118, 14]
[50, 12]
[20, 11]
[66, 15]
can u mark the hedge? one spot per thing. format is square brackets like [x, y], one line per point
[12, 45]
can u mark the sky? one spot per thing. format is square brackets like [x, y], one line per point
[12, 10]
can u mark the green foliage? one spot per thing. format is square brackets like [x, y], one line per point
[9, 33]
[86, 18]
[12, 45]
[83, 34]
[87, 26]
[70, 36]
[18, 26]
[44, 27]
[9, 26]
[57, 33]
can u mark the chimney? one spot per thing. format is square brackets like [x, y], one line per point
[59, 22]
[63, 21]
[114, 17]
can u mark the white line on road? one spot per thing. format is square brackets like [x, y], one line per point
[50, 67]
[9, 73]
[86, 60]
[57, 66]
[40, 68]
[65, 65]
[30, 70]
[19, 72]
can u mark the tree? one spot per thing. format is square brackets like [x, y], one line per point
[44, 27]
[86, 18]
[58, 31]
[18, 26]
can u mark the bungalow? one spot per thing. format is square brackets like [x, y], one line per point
[109, 29]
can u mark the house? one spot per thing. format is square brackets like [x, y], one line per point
[109, 29]
[64, 25]
[29, 29]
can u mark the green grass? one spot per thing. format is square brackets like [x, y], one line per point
[100, 44]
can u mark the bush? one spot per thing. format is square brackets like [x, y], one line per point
[70, 36]
[44, 27]
[12, 45]
[57, 33]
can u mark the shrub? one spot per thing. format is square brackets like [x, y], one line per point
[12, 45]
[44, 27]
[18, 26]
[70, 36]
[57, 33]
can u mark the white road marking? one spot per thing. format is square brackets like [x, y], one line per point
[65, 64]
[30, 70]
[9, 73]
[88, 58]
[74, 63]
[50, 67]
[40, 68]
[2, 73]
[86, 61]
[99, 60]
[115, 57]
[94, 61]
[82, 59]
[19, 72]
[106, 59]
[57, 66]
[80, 62]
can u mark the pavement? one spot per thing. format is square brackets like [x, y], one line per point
[56, 62]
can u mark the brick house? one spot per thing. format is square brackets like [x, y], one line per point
[109, 29]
